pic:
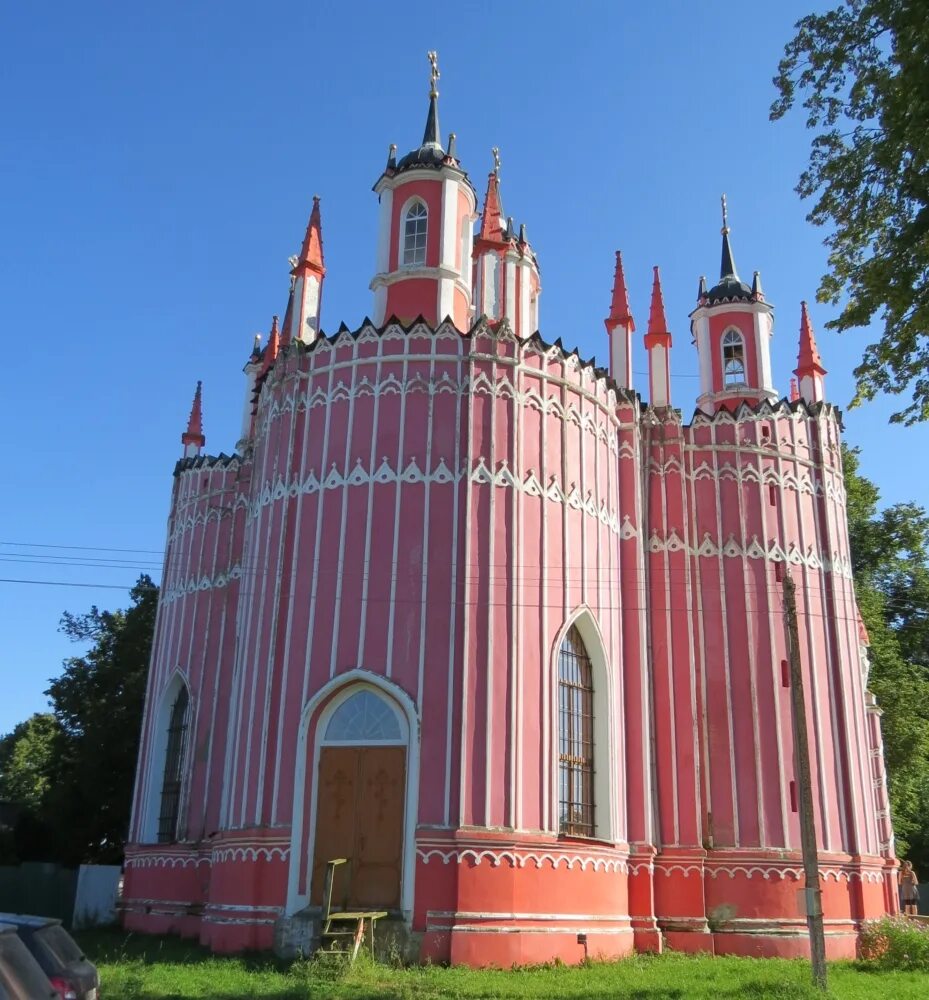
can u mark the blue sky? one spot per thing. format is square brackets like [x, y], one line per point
[159, 165]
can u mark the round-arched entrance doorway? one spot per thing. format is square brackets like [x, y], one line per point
[360, 801]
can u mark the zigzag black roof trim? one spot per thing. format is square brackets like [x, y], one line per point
[206, 461]
[481, 326]
[765, 406]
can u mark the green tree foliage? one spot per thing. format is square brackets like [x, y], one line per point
[98, 703]
[25, 761]
[890, 558]
[863, 71]
[70, 773]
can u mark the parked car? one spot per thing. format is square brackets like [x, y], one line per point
[21, 976]
[58, 954]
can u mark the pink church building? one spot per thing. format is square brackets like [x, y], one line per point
[465, 608]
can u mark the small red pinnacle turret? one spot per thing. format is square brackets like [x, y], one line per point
[658, 345]
[794, 391]
[505, 276]
[288, 312]
[809, 370]
[306, 290]
[492, 213]
[619, 326]
[193, 439]
[274, 345]
[311, 253]
[809, 352]
[619, 307]
[657, 323]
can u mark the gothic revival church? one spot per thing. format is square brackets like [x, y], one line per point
[466, 609]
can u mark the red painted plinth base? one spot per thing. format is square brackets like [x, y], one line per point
[783, 945]
[503, 949]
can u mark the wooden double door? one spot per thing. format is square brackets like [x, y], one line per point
[360, 806]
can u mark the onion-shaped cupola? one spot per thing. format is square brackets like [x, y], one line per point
[425, 234]
[732, 328]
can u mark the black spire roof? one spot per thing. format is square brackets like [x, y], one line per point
[730, 287]
[431, 153]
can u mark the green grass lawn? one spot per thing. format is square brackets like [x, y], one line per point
[146, 968]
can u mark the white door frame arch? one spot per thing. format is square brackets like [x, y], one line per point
[608, 736]
[303, 842]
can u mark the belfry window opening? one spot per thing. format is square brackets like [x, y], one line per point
[733, 358]
[174, 769]
[414, 235]
[575, 738]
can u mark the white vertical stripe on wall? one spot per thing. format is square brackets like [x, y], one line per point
[295, 562]
[266, 516]
[721, 570]
[369, 508]
[776, 627]
[490, 764]
[273, 668]
[343, 515]
[751, 625]
[427, 497]
[395, 545]
[455, 611]
[464, 773]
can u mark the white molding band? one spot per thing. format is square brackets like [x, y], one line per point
[772, 552]
[522, 858]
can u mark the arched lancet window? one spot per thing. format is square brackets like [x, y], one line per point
[414, 235]
[174, 769]
[733, 358]
[363, 718]
[575, 738]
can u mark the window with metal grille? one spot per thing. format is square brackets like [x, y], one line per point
[414, 235]
[174, 769]
[733, 358]
[575, 738]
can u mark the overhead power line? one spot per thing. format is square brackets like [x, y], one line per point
[85, 548]
[64, 583]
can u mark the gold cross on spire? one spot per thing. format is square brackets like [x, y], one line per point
[725, 228]
[435, 74]
[495, 152]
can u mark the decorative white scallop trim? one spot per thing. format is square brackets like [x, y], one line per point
[520, 859]
[839, 564]
[412, 473]
[273, 408]
[165, 861]
[766, 872]
[531, 486]
[727, 472]
[224, 854]
[172, 592]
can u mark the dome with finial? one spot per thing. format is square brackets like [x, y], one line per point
[431, 152]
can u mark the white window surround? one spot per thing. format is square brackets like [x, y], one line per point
[157, 759]
[314, 723]
[732, 356]
[608, 735]
[414, 233]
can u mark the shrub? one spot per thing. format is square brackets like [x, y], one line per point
[896, 943]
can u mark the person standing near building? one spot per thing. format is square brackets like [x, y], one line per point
[909, 887]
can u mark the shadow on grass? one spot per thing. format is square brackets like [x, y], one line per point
[114, 945]
[131, 964]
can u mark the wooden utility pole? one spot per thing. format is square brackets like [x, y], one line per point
[813, 894]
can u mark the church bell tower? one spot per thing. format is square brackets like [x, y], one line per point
[732, 328]
[427, 207]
